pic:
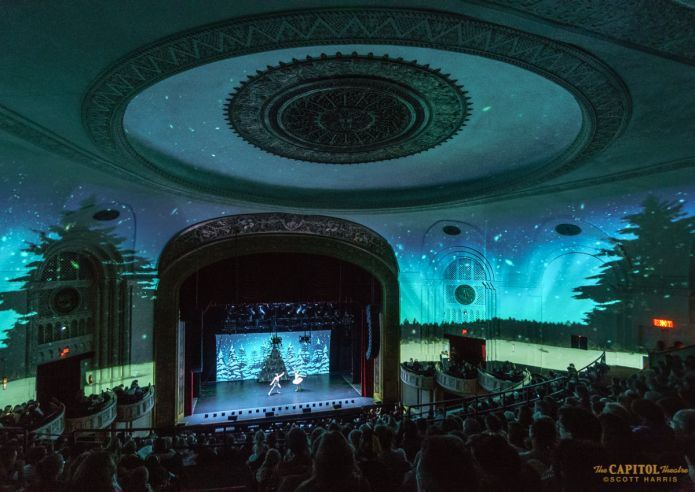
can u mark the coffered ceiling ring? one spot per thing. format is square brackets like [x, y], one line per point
[603, 98]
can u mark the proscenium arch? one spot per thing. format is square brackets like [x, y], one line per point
[217, 239]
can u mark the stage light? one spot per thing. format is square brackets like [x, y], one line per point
[5, 382]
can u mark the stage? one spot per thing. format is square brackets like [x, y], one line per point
[249, 400]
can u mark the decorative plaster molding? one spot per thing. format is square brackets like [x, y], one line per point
[226, 228]
[601, 94]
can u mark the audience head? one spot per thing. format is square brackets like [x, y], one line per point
[297, 442]
[578, 423]
[335, 460]
[649, 412]
[96, 472]
[445, 464]
[543, 433]
[50, 467]
[573, 465]
[683, 423]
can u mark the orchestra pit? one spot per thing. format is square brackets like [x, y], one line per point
[398, 246]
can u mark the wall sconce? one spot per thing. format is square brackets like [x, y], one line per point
[5, 382]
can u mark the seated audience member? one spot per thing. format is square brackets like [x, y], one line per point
[298, 457]
[48, 471]
[502, 467]
[653, 435]
[95, 473]
[259, 450]
[268, 474]
[393, 460]
[573, 465]
[543, 436]
[354, 438]
[137, 480]
[445, 465]
[683, 424]
[578, 423]
[335, 469]
[9, 472]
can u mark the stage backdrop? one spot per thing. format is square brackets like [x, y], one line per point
[244, 356]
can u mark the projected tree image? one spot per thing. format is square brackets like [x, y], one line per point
[644, 270]
[254, 356]
[56, 295]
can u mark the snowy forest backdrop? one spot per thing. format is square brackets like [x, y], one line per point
[243, 356]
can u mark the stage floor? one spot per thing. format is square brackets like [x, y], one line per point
[249, 400]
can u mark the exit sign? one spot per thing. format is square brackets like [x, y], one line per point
[663, 323]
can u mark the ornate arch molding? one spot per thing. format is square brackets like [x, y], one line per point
[226, 237]
[603, 97]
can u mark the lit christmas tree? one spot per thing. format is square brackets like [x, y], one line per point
[273, 364]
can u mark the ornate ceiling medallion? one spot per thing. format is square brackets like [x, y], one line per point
[347, 109]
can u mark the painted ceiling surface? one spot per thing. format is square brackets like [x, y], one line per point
[84, 126]
[518, 119]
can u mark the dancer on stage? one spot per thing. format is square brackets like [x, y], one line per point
[297, 381]
[275, 383]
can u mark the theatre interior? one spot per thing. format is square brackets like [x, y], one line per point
[382, 245]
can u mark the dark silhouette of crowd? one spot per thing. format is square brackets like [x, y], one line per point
[83, 405]
[132, 394]
[426, 368]
[461, 369]
[505, 371]
[552, 442]
[28, 415]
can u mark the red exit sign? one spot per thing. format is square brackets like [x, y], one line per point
[663, 323]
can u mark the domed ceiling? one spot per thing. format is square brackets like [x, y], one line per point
[353, 109]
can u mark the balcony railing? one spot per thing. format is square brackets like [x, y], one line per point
[53, 426]
[99, 420]
[420, 381]
[134, 411]
[456, 385]
[492, 384]
[506, 399]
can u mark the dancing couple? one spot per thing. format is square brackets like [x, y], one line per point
[275, 382]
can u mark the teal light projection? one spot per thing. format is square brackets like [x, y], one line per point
[599, 268]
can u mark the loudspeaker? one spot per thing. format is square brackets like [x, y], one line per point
[306, 410]
[337, 406]
[270, 414]
[232, 418]
[373, 331]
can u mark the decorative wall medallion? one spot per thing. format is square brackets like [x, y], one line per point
[65, 300]
[465, 294]
[347, 109]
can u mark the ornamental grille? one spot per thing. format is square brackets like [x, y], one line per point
[66, 266]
